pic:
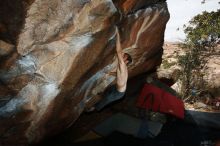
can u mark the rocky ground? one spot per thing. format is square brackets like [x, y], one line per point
[170, 69]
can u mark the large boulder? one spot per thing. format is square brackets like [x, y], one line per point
[64, 53]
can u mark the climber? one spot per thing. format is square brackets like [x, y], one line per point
[117, 91]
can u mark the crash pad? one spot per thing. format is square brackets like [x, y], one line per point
[159, 100]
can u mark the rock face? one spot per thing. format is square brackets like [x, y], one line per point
[213, 74]
[169, 67]
[64, 53]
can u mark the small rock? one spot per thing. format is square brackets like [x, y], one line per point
[200, 105]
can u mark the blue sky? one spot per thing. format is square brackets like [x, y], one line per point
[181, 11]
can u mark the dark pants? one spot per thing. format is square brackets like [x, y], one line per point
[111, 95]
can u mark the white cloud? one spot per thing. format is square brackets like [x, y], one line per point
[181, 11]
